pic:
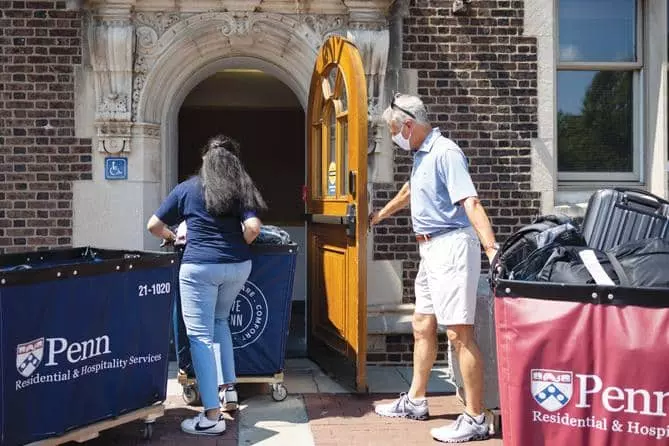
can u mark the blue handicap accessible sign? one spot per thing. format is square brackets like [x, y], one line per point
[116, 168]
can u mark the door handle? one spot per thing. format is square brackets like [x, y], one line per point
[352, 176]
[349, 220]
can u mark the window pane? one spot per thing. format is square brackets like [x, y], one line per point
[344, 154]
[332, 151]
[595, 121]
[597, 30]
[317, 139]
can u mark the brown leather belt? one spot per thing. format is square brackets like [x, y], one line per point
[422, 238]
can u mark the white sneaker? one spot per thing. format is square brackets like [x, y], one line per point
[464, 429]
[229, 399]
[201, 425]
[403, 407]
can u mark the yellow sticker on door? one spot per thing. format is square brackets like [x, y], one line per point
[332, 179]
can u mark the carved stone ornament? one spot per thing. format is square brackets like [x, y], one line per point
[111, 50]
[156, 31]
[112, 105]
[373, 46]
[114, 137]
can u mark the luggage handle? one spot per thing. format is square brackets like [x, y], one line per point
[641, 197]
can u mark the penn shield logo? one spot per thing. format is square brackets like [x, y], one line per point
[248, 318]
[552, 389]
[29, 356]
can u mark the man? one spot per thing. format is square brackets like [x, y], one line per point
[447, 217]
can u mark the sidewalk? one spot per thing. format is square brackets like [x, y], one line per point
[317, 412]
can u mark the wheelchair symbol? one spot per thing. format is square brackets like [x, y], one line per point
[116, 168]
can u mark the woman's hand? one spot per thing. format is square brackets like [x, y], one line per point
[160, 230]
[251, 228]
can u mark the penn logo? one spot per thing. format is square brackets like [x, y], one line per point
[29, 356]
[552, 389]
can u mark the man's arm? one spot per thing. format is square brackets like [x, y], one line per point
[399, 202]
[481, 223]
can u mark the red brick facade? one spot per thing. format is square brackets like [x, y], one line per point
[477, 74]
[40, 46]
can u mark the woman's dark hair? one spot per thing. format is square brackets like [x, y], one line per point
[228, 188]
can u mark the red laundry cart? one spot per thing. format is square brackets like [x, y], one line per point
[582, 365]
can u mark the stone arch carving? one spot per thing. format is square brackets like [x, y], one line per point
[175, 52]
[171, 49]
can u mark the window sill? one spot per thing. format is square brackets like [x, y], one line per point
[592, 186]
[572, 198]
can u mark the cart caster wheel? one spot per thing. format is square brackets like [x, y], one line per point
[279, 392]
[191, 395]
[147, 432]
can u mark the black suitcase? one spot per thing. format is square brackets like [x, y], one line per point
[617, 216]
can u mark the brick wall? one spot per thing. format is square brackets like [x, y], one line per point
[478, 77]
[397, 349]
[40, 45]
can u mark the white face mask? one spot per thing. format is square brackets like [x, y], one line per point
[401, 141]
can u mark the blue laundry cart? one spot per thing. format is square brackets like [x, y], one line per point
[259, 321]
[84, 338]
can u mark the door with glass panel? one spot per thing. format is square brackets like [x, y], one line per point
[337, 213]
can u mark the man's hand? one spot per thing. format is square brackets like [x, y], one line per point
[491, 253]
[375, 218]
[399, 201]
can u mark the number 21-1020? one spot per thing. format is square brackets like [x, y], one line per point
[153, 289]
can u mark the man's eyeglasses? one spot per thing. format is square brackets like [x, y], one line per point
[393, 105]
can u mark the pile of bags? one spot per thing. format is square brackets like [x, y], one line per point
[623, 240]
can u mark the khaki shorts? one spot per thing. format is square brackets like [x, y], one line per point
[448, 276]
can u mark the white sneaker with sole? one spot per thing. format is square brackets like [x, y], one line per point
[403, 407]
[464, 429]
[201, 425]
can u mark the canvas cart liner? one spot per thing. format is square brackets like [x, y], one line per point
[582, 364]
[29, 267]
[82, 329]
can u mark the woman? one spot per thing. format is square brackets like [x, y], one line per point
[220, 207]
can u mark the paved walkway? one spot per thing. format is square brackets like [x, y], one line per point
[317, 412]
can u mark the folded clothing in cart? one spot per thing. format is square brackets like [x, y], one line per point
[272, 235]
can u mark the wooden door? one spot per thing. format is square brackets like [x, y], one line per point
[337, 211]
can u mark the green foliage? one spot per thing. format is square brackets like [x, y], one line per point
[600, 138]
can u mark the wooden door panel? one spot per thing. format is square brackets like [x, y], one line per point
[330, 312]
[337, 204]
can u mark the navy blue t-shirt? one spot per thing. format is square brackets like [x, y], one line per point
[210, 239]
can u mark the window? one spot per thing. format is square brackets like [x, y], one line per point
[599, 90]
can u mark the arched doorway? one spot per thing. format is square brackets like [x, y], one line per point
[198, 47]
[265, 116]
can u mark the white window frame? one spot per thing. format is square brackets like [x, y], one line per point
[638, 104]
